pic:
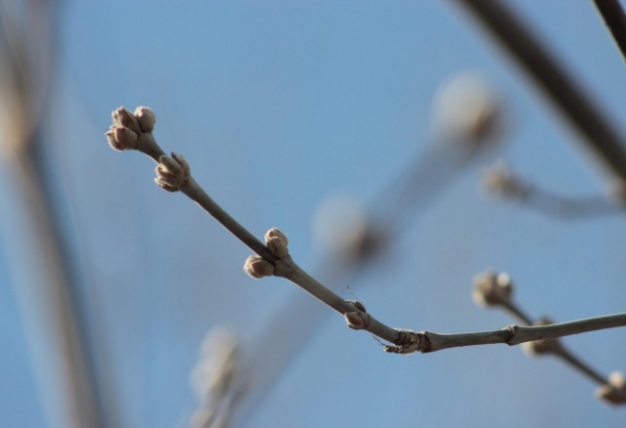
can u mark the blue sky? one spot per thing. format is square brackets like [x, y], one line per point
[278, 106]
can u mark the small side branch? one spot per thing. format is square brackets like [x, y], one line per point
[500, 181]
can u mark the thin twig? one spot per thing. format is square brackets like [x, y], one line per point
[514, 334]
[613, 15]
[560, 88]
[174, 174]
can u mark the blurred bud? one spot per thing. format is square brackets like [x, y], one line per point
[172, 172]
[499, 180]
[146, 118]
[257, 267]
[218, 364]
[615, 391]
[466, 109]
[122, 118]
[490, 289]
[343, 229]
[542, 346]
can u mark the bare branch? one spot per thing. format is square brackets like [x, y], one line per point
[500, 181]
[174, 174]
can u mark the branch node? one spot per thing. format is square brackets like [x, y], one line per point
[409, 341]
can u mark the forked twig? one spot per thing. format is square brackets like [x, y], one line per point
[496, 290]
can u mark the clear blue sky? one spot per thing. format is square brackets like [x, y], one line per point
[277, 106]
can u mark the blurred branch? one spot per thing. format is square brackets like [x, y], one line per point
[496, 290]
[558, 86]
[613, 15]
[64, 371]
[500, 181]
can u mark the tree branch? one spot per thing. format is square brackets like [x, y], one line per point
[174, 174]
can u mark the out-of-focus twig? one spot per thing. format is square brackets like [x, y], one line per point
[559, 87]
[499, 180]
[613, 15]
[64, 372]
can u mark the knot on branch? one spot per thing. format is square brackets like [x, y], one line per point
[491, 289]
[277, 242]
[127, 127]
[614, 392]
[542, 346]
[257, 267]
[408, 342]
[172, 172]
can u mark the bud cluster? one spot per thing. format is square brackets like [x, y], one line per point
[257, 266]
[127, 127]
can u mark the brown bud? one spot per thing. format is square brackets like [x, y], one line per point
[275, 232]
[124, 118]
[172, 172]
[277, 246]
[122, 138]
[257, 267]
[146, 118]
